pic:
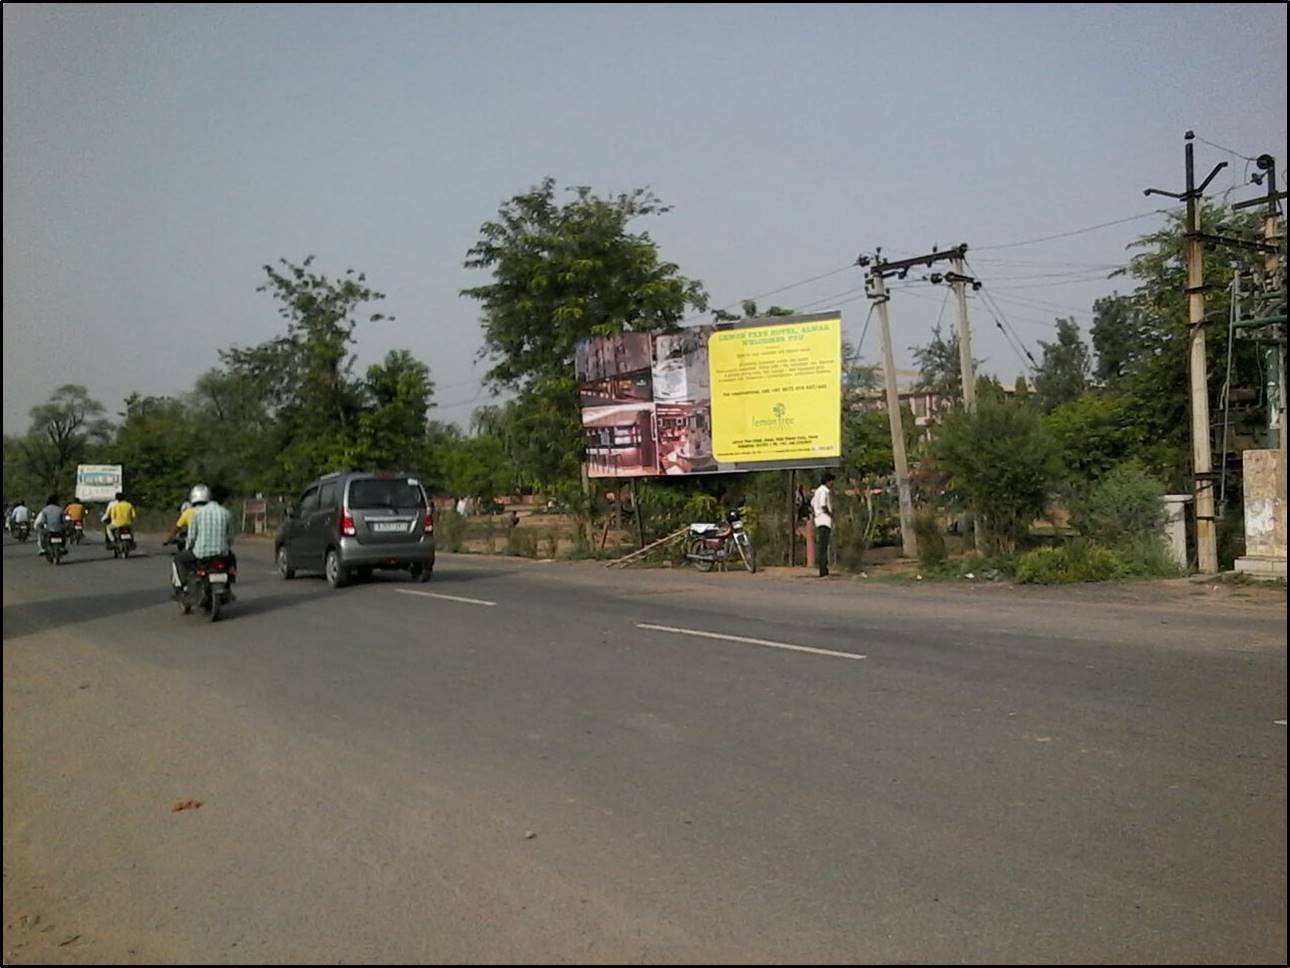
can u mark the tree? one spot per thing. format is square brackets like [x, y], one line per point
[1117, 340]
[1094, 433]
[1063, 374]
[940, 371]
[1003, 461]
[1156, 376]
[305, 378]
[562, 272]
[399, 391]
[62, 429]
[749, 307]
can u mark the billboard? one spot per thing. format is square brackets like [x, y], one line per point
[753, 394]
[98, 482]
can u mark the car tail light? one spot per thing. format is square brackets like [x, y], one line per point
[347, 523]
[429, 519]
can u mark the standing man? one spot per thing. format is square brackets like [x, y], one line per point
[822, 510]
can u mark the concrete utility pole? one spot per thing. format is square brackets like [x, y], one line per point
[1202, 459]
[908, 540]
[1202, 456]
[960, 281]
[877, 280]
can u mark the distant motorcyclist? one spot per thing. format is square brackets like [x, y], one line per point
[50, 520]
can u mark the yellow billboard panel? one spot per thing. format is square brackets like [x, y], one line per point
[777, 391]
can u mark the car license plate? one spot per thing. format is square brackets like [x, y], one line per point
[389, 526]
[219, 578]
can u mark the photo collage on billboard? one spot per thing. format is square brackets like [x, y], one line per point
[615, 384]
[683, 402]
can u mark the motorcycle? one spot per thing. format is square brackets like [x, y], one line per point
[78, 532]
[55, 547]
[123, 543]
[716, 544]
[22, 531]
[209, 586]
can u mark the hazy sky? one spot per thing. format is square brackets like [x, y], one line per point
[156, 157]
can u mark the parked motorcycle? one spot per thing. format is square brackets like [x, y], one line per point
[716, 544]
[123, 543]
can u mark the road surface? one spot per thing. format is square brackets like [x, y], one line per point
[553, 763]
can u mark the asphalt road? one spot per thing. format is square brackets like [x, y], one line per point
[519, 770]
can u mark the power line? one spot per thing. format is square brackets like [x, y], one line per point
[1066, 235]
[1235, 154]
[987, 300]
[773, 292]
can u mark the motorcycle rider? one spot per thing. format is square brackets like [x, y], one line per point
[210, 531]
[50, 520]
[75, 513]
[21, 514]
[120, 513]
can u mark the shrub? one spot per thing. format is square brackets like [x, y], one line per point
[931, 542]
[450, 529]
[1123, 508]
[521, 542]
[1003, 461]
[1076, 562]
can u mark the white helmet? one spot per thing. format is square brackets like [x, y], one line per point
[200, 494]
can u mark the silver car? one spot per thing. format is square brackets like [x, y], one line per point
[348, 524]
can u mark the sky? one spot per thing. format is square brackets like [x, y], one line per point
[157, 157]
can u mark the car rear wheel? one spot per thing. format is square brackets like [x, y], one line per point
[336, 572]
[422, 573]
[284, 564]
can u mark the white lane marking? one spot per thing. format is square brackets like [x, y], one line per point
[1280, 722]
[741, 638]
[450, 598]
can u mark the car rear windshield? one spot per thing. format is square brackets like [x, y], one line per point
[397, 493]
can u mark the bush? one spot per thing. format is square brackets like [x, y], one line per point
[1004, 463]
[450, 530]
[1122, 509]
[1076, 562]
[931, 542]
[1148, 557]
[521, 542]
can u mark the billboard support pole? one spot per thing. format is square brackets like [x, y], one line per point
[908, 542]
[792, 518]
[636, 506]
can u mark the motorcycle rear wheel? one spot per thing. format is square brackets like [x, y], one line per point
[696, 556]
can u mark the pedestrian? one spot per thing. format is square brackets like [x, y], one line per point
[822, 509]
[515, 519]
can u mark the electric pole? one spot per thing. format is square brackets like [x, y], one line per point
[1202, 456]
[908, 540]
[877, 283]
[960, 281]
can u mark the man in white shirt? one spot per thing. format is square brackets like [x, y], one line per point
[822, 509]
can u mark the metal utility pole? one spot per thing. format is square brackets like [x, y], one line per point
[877, 279]
[908, 540]
[1202, 456]
[1272, 304]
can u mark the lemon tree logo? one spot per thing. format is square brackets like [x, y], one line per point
[779, 419]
